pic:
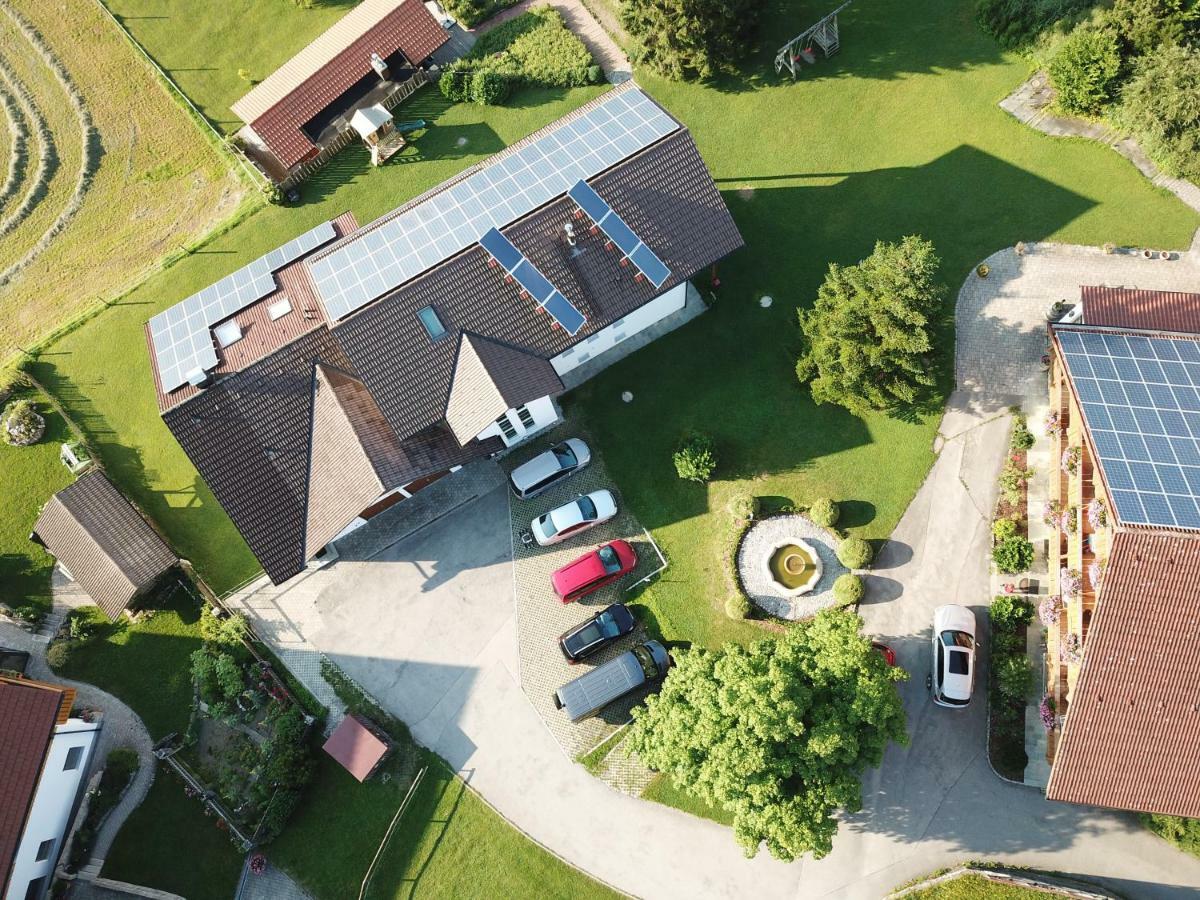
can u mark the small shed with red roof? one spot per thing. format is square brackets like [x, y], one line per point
[359, 745]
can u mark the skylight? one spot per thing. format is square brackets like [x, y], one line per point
[433, 325]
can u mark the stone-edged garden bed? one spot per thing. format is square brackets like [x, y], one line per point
[753, 554]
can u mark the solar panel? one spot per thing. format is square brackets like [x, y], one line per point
[532, 281]
[620, 233]
[1138, 408]
[517, 183]
[180, 334]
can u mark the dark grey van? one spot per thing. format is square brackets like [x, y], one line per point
[594, 690]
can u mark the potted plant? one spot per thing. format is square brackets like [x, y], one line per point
[1070, 460]
[982, 270]
[1050, 609]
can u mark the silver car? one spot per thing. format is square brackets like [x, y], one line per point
[547, 469]
[953, 675]
[570, 519]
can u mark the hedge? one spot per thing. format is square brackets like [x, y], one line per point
[470, 13]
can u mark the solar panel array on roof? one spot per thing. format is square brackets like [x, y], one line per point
[397, 250]
[532, 281]
[182, 341]
[620, 233]
[1141, 402]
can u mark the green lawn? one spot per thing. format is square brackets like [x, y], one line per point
[900, 133]
[101, 372]
[147, 664]
[662, 791]
[28, 478]
[169, 844]
[446, 840]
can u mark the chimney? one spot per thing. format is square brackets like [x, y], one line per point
[380, 66]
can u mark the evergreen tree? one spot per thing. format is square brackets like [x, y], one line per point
[687, 39]
[867, 338]
[776, 733]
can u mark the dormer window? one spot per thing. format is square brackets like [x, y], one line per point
[433, 325]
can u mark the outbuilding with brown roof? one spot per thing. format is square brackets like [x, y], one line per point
[106, 545]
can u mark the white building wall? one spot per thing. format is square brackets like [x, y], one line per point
[53, 803]
[543, 412]
[611, 335]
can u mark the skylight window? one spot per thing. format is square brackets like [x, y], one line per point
[433, 325]
[228, 333]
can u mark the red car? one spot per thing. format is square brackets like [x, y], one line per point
[887, 652]
[594, 570]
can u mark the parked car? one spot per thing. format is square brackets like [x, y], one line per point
[953, 674]
[594, 690]
[570, 519]
[596, 633]
[594, 570]
[548, 469]
[885, 651]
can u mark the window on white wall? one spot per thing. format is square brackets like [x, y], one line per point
[36, 888]
[44, 849]
[506, 427]
[525, 416]
[74, 755]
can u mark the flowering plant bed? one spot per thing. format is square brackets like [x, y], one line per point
[1008, 683]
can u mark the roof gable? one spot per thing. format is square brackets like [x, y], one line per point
[1132, 736]
[490, 378]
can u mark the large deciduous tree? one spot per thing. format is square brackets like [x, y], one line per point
[687, 39]
[867, 338]
[776, 733]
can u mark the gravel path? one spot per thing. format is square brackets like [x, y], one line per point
[760, 540]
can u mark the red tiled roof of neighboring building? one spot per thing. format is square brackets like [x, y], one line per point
[358, 746]
[1148, 310]
[408, 28]
[1132, 734]
[29, 712]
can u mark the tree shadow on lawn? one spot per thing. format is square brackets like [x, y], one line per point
[880, 40]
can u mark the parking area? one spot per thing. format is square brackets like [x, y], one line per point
[542, 617]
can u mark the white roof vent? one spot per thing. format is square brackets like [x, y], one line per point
[228, 333]
[197, 377]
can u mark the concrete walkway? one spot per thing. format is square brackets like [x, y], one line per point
[604, 50]
[1030, 103]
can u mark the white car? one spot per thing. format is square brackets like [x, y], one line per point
[953, 655]
[573, 518]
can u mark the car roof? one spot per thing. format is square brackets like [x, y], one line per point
[566, 515]
[541, 466]
[954, 686]
[581, 570]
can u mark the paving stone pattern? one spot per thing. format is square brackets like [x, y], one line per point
[542, 617]
[757, 545]
[272, 884]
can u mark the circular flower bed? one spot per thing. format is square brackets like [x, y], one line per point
[22, 426]
[764, 540]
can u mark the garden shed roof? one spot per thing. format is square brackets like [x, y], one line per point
[30, 710]
[106, 545]
[359, 745]
[1132, 737]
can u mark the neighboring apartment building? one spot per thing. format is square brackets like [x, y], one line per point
[353, 366]
[44, 757]
[1122, 662]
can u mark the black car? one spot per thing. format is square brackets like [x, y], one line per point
[599, 631]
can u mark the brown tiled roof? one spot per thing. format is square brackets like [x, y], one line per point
[260, 335]
[250, 436]
[29, 712]
[1148, 310]
[358, 745]
[110, 550]
[1132, 734]
[490, 378]
[665, 194]
[408, 27]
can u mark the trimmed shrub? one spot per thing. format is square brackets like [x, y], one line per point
[848, 590]
[470, 13]
[455, 82]
[489, 88]
[59, 653]
[1003, 529]
[1014, 677]
[695, 458]
[737, 606]
[743, 506]
[1008, 613]
[1085, 70]
[854, 553]
[595, 74]
[1015, 22]
[22, 426]
[1022, 438]
[535, 48]
[1013, 555]
[824, 512]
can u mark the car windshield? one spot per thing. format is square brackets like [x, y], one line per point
[548, 526]
[610, 560]
[587, 508]
[566, 459]
[646, 659]
[960, 662]
[957, 639]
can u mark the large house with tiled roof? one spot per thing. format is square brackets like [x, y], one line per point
[1122, 665]
[353, 366]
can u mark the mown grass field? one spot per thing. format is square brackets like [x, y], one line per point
[101, 372]
[159, 183]
[28, 476]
